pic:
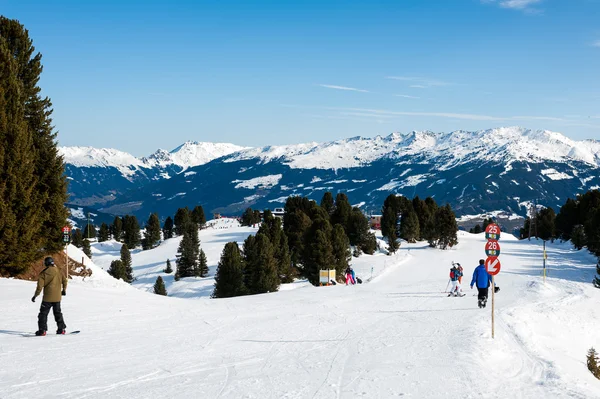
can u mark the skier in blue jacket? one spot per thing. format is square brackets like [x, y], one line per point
[482, 279]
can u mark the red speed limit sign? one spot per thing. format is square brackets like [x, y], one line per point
[492, 248]
[492, 265]
[492, 232]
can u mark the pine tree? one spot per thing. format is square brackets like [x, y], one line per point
[117, 229]
[295, 224]
[318, 250]
[369, 245]
[327, 203]
[89, 231]
[286, 270]
[104, 233]
[21, 236]
[592, 363]
[77, 238]
[127, 263]
[229, 278]
[357, 228]
[152, 232]
[188, 251]
[445, 221]
[409, 226]
[182, 218]
[567, 219]
[159, 287]
[203, 264]
[117, 270]
[131, 232]
[248, 217]
[545, 224]
[477, 229]
[578, 237]
[260, 270]
[168, 228]
[198, 217]
[87, 248]
[597, 277]
[26, 125]
[168, 269]
[340, 245]
[342, 211]
[393, 244]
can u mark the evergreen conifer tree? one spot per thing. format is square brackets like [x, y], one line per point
[445, 221]
[393, 244]
[182, 218]
[284, 259]
[578, 237]
[168, 269]
[597, 277]
[159, 287]
[198, 217]
[248, 218]
[263, 275]
[87, 249]
[409, 226]
[117, 229]
[203, 264]
[168, 228]
[89, 231]
[295, 224]
[342, 211]
[340, 245]
[357, 228]
[131, 232]
[567, 219]
[104, 233]
[369, 245]
[117, 270]
[592, 363]
[127, 263]
[477, 229]
[545, 224]
[77, 238]
[229, 278]
[327, 203]
[188, 251]
[318, 250]
[152, 232]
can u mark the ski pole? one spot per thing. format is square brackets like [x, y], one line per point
[446, 289]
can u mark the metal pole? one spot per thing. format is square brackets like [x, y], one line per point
[493, 296]
[544, 256]
[67, 254]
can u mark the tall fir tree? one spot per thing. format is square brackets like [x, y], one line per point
[250, 217]
[342, 211]
[116, 229]
[127, 263]
[578, 237]
[86, 248]
[295, 224]
[260, 266]
[37, 141]
[117, 270]
[203, 264]
[131, 232]
[168, 268]
[188, 251]
[357, 228]
[393, 244]
[229, 278]
[21, 236]
[168, 228]
[182, 218]
[77, 238]
[159, 287]
[409, 226]
[286, 270]
[318, 250]
[198, 217]
[104, 233]
[151, 232]
[327, 203]
[592, 363]
[89, 231]
[545, 224]
[566, 219]
[447, 228]
[340, 245]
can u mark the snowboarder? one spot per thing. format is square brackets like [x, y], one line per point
[350, 277]
[482, 279]
[455, 274]
[54, 285]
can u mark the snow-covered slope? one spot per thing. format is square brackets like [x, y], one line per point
[191, 153]
[398, 335]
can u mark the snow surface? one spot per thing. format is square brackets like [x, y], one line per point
[262, 182]
[396, 335]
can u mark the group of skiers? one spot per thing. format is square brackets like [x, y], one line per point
[481, 279]
[351, 276]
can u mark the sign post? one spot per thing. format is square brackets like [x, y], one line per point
[492, 263]
[67, 239]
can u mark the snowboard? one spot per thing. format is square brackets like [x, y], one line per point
[50, 335]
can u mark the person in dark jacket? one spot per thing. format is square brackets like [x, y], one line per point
[54, 285]
[482, 279]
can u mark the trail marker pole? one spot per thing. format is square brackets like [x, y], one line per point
[67, 239]
[544, 261]
[493, 301]
[492, 263]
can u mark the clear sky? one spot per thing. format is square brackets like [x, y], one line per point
[146, 74]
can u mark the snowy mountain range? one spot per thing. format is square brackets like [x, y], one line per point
[496, 169]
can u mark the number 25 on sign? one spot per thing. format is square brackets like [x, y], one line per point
[492, 232]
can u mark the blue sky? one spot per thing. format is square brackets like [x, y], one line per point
[142, 75]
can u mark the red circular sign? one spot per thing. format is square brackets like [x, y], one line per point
[492, 265]
[492, 232]
[492, 248]
[66, 229]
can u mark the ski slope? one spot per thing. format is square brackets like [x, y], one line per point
[396, 336]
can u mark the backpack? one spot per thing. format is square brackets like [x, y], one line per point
[452, 273]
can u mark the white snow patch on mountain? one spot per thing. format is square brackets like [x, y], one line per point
[316, 179]
[176, 195]
[186, 174]
[260, 182]
[555, 175]
[279, 200]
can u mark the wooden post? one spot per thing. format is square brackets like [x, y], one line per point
[493, 296]
[67, 254]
